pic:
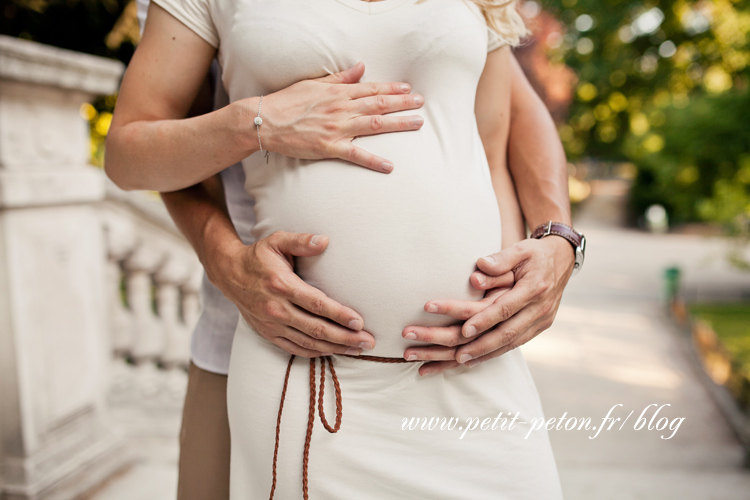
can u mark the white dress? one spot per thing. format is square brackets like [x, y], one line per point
[396, 241]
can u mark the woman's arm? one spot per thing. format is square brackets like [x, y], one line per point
[151, 145]
[492, 110]
[536, 155]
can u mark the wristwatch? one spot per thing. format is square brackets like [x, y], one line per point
[574, 237]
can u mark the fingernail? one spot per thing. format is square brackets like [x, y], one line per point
[405, 87]
[316, 239]
[473, 362]
[352, 351]
[417, 121]
[490, 259]
[411, 336]
[386, 166]
[355, 324]
[365, 345]
[481, 279]
[418, 99]
[464, 358]
[471, 331]
[412, 357]
[432, 308]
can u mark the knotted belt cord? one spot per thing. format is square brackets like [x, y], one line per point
[311, 412]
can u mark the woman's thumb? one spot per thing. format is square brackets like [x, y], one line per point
[350, 75]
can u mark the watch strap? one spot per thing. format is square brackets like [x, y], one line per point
[574, 237]
[565, 231]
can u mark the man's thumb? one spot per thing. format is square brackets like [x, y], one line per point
[351, 75]
[499, 263]
[299, 244]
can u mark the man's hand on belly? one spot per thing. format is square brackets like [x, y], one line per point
[524, 285]
[260, 280]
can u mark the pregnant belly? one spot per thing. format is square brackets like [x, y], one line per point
[396, 241]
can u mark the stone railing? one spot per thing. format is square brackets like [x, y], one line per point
[98, 291]
[153, 279]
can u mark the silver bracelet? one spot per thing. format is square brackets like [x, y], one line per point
[258, 122]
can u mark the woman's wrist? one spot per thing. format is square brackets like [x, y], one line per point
[245, 111]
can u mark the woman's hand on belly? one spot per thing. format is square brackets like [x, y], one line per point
[259, 279]
[443, 343]
[313, 119]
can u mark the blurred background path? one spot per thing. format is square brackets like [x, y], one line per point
[612, 343]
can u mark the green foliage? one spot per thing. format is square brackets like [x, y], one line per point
[664, 84]
[703, 170]
[731, 322]
[635, 58]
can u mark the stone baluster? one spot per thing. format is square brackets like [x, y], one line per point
[56, 437]
[147, 334]
[148, 338]
[120, 240]
[168, 280]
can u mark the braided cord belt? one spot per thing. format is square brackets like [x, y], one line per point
[311, 412]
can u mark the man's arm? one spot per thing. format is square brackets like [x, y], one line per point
[259, 279]
[540, 268]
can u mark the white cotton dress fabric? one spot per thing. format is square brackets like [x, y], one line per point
[396, 241]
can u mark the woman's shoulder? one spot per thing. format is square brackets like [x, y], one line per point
[203, 17]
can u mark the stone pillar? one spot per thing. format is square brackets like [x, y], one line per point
[55, 439]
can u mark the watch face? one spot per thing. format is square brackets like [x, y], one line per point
[579, 258]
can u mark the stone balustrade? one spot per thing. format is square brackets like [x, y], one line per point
[153, 284]
[98, 290]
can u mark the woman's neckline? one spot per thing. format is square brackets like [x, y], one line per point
[373, 7]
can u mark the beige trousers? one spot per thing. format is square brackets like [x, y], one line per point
[204, 438]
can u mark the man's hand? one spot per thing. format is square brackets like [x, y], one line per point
[315, 119]
[508, 316]
[260, 280]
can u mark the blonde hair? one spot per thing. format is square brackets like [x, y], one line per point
[503, 18]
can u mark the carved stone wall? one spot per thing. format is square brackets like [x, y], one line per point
[55, 438]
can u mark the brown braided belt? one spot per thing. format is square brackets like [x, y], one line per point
[311, 412]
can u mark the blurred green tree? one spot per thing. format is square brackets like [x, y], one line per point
[663, 84]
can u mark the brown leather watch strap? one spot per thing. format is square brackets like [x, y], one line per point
[574, 237]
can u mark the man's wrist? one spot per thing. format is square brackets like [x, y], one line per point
[564, 251]
[576, 239]
[221, 265]
[221, 245]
